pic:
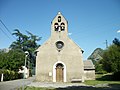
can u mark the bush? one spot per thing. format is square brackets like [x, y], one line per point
[9, 75]
[116, 76]
[101, 72]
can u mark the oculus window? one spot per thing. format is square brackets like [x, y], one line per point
[59, 44]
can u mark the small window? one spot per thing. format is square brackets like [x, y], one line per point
[62, 26]
[59, 18]
[59, 44]
[56, 26]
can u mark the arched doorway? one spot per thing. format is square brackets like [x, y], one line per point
[59, 68]
[59, 72]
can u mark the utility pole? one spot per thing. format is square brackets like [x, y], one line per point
[106, 42]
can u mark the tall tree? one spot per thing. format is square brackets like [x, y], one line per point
[32, 42]
[21, 41]
[26, 43]
[111, 57]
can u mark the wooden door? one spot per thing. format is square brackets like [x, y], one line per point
[59, 73]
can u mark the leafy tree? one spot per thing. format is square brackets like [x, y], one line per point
[12, 60]
[21, 41]
[26, 43]
[111, 57]
[116, 42]
[15, 58]
[32, 42]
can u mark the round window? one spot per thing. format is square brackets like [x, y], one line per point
[59, 44]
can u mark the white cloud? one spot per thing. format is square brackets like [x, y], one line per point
[118, 31]
[69, 33]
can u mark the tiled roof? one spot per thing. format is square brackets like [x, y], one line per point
[88, 64]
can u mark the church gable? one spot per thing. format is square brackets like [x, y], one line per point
[59, 40]
[59, 59]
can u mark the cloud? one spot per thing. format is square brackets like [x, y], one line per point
[69, 33]
[118, 31]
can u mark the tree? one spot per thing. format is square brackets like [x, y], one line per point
[26, 43]
[111, 57]
[21, 41]
[32, 42]
[11, 60]
[116, 42]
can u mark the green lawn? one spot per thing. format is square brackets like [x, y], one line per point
[102, 79]
[95, 82]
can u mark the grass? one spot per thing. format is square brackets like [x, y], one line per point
[95, 82]
[102, 79]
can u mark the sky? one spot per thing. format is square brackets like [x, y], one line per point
[90, 22]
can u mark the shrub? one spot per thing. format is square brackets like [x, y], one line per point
[9, 75]
[116, 76]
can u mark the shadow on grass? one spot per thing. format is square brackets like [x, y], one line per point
[105, 78]
[110, 87]
[115, 86]
[110, 77]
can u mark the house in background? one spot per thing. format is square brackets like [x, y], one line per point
[59, 59]
[89, 70]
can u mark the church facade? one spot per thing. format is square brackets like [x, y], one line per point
[59, 59]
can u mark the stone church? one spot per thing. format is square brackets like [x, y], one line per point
[59, 59]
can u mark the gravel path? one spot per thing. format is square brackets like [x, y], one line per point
[15, 84]
[54, 85]
[73, 86]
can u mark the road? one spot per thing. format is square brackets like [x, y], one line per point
[15, 84]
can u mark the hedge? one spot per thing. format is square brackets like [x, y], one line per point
[10, 75]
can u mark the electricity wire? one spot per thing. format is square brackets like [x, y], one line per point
[6, 28]
[5, 33]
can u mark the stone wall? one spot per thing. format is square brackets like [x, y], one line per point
[89, 74]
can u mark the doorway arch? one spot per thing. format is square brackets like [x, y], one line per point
[59, 72]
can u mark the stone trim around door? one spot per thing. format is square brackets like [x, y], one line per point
[54, 71]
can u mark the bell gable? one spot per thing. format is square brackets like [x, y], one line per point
[59, 25]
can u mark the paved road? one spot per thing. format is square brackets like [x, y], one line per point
[15, 84]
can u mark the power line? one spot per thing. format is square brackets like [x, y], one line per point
[6, 28]
[5, 33]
